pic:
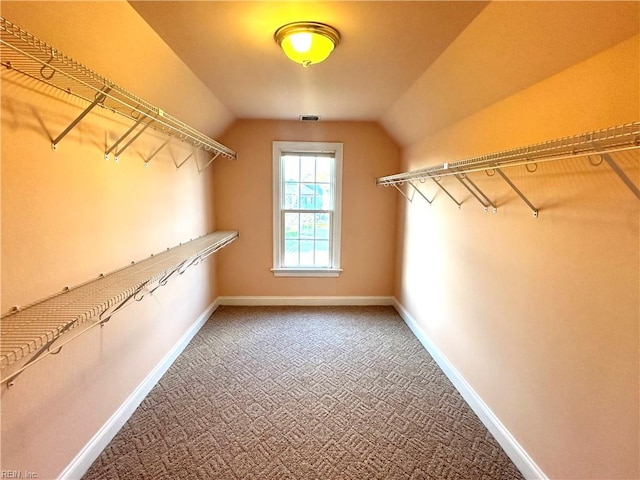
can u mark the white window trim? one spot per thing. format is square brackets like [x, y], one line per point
[307, 147]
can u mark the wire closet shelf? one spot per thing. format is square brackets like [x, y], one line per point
[600, 143]
[23, 52]
[30, 333]
[609, 140]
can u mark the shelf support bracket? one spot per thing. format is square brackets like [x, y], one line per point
[420, 193]
[623, 176]
[534, 210]
[108, 313]
[165, 278]
[126, 134]
[178, 165]
[146, 162]
[485, 206]
[100, 97]
[42, 351]
[409, 198]
[459, 204]
[203, 256]
[200, 170]
[133, 139]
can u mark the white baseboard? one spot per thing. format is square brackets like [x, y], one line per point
[309, 301]
[512, 448]
[83, 460]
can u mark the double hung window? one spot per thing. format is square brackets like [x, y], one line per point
[307, 187]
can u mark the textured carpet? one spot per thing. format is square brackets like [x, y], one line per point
[304, 393]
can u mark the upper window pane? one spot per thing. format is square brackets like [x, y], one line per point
[307, 182]
[291, 168]
[308, 169]
[323, 169]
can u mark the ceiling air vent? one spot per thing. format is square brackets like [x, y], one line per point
[309, 118]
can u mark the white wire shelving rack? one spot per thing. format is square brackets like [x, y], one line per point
[22, 52]
[30, 333]
[599, 144]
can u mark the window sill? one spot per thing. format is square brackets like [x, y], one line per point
[306, 272]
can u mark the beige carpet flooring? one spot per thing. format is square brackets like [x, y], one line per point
[272, 393]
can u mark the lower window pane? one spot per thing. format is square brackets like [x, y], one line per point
[306, 253]
[291, 253]
[322, 253]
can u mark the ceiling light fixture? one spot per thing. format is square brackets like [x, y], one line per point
[307, 43]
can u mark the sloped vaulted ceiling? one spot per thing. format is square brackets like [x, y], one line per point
[413, 66]
[508, 47]
[385, 48]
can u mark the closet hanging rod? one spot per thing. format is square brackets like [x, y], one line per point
[28, 55]
[609, 140]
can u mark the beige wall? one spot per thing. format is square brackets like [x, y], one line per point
[541, 315]
[244, 199]
[69, 215]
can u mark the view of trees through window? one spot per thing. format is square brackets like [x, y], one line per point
[307, 204]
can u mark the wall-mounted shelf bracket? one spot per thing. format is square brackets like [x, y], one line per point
[100, 98]
[161, 282]
[178, 165]
[126, 134]
[623, 176]
[437, 182]
[155, 152]
[468, 184]
[534, 210]
[417, 190]
[45, 350]
[405, 195]
[132, 139]
[193, 260]
[200, 170]
[117, 306]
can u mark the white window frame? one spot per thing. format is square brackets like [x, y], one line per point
[280, 148]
